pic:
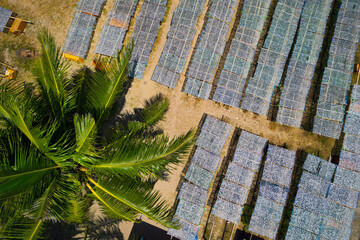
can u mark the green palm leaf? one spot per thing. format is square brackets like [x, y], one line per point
[106, 87]
[22, 228]
[29, 169]
[150, 157]
[133, 195]
[50, 73]
[85, 130]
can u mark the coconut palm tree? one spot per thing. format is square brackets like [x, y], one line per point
[56, 158]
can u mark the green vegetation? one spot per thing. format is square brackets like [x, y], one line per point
[246, 216]
[59, 153]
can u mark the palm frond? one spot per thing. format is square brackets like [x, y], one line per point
[53, 204]
[29, 169]
[106, 87]
[85, 130]
[22, 228]
[134, 196]
[111, 208]
[50, 72]
[150, 157]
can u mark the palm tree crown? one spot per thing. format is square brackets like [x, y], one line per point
[56, 159]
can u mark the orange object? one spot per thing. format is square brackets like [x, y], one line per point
[118, 23]
[10, 73]
[357, 68]
[18, 26]
[73, 58]
[100, 65]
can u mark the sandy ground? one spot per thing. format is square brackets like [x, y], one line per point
[185, 111]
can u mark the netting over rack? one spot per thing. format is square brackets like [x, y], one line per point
[231, 81]
[300, 69]
[152, 11]
[310, 201]
[184, 17]
[201, 71]
[266, 217]
[347, 178]
[110, 41]
[189, 212]
[263, 226]
[281, 156]
[90, 6]
[277, 174]
[355, 94]
[181, 32]
[346, 32]
[237, 65]
[343, 196]
[121, 13]
[330, 111]
[352, 124]
[340, 63]
[336, 78]
[289, 116]
[206, 159]
[5, 14]
[233, 192]
[161, 2]
[349, 160]
[252, 142]
[343, 47]
[221, 12]
[268, 73]
[294, 96]
[212, 42]
[217, 27]
[319, 166]
[217, 127]
[246, 158]
[240, 175]
[227, 96]
[347, 16]
[295, 233]
[331, 229]
[288, 11]
[199, 176]
[188, 231]
[165, 77]
[283, 29]
[197, 88]
[327, 128]
[177, 47]
[252, 21]
[274, 192]
[191, 5]
[207, 57]
[255, 104]
[260, 88]
[79, 34]
[314, 184]
[172, 62]
[247, 35]
[227, 210]
[340, 213]
[242, 50]
[228, 3]
[306, 220]
[354, 109]
[193, 194]
[352, 143]
[308, 50]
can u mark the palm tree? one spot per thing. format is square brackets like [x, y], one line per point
[56, 158]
